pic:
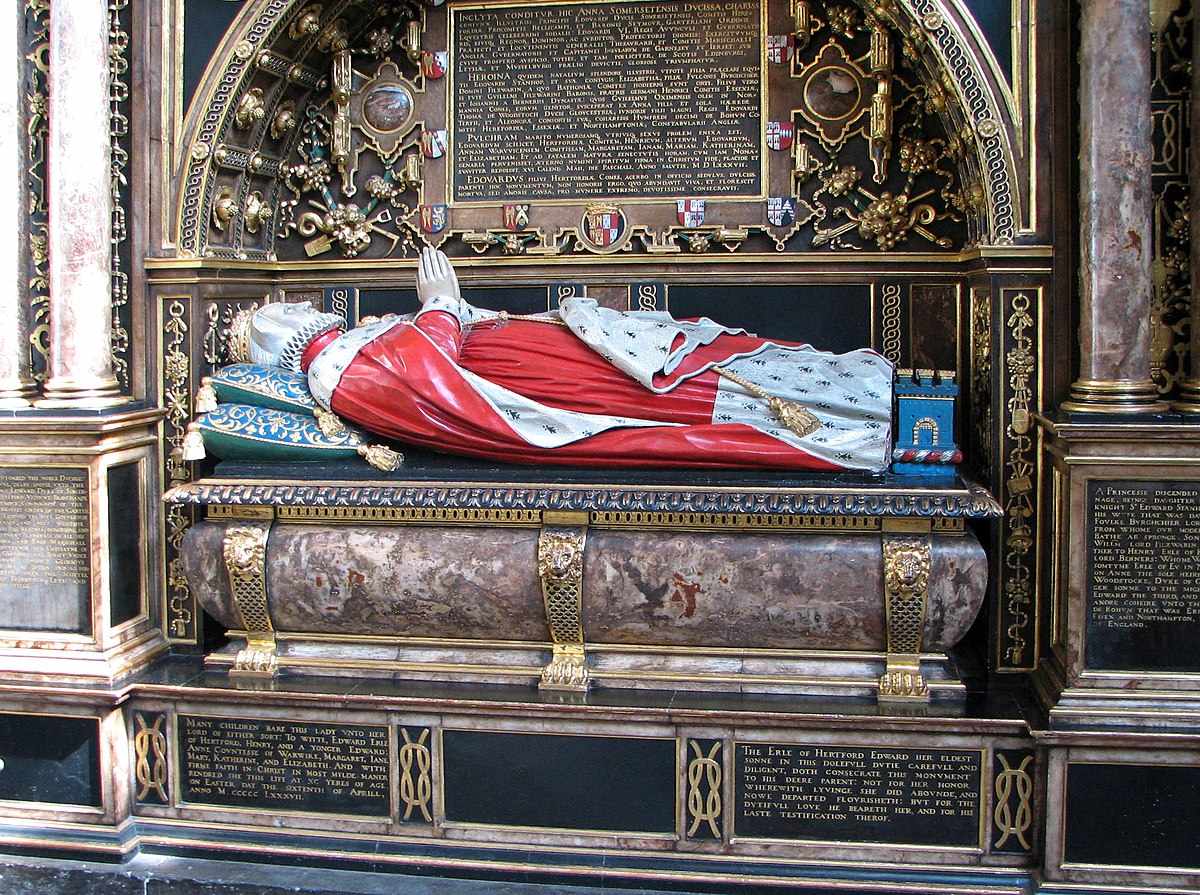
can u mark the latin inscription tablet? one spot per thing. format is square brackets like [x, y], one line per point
[301, 766]
[1143, 586]
[577, 101]
[858, 794]
[45, 539]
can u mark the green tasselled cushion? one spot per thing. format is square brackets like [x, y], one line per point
[262, 386]
[241, 432]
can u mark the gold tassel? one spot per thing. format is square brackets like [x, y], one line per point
[328, 423]
[206, 396]
[193, 444]
[792, 414]
[382, 458]
[795, 416]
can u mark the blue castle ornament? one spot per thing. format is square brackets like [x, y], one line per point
[925, 402]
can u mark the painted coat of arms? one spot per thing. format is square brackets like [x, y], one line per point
[516, 217]
[780, 47]
[434, 218]
[781, 211]
[780, 134]
[603, 225]
[433, 143]
[434, 65]
[690, 212]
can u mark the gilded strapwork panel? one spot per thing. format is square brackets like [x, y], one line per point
[179, 616]
[190, 349]
[981, 382]
[120, 23]
[1171, 49]
[343, 130]
[1020, 472]
[36, 90]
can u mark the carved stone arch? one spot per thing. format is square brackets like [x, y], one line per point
[263, 40]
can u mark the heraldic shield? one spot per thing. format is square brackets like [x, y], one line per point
[690, 212]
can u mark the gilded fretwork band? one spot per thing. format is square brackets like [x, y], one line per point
[560, 568]
[245, 552]
[907, 561]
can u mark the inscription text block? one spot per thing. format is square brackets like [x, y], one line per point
[251, 763]
[1143, 586]
[661, 98]
[858, 794]
[45, 541]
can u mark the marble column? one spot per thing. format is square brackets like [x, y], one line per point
[1116, 206]
[16, 381]
[80, 371]
[1189, 389]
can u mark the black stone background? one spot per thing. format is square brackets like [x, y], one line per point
[1133, 815]
[125, 544]
[50, 759]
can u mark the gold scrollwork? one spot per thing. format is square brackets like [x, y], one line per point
[1012, 780]
[907, 564]
[416, 782]
[37, 105]
[1020, 486]
[560, 568]
[981, 374]
[150, 757]
[891, 322]
[176, 367]
[119, 111]
[704, 772]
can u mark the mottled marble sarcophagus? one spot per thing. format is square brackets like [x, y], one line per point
[799, 586]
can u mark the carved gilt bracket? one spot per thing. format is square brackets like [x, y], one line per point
[245, 553]
[907, 562]
[560, 568]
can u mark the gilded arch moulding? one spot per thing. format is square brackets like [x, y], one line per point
[951, 51]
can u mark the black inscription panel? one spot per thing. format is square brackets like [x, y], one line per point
[858, 794]
[1143, 594]
[1132, 815]
[45, 535]
[652, 98]
[50, 759]
[559, 782]
[249, 763]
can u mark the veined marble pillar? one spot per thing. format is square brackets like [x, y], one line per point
[1115, 210]
[1189, 389]
[16, 382]
[80, 371]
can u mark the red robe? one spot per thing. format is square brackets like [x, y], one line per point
[406, 384]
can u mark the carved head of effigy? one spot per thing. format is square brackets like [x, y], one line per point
[280, 332]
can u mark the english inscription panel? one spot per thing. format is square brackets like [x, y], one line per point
[578, 101]
[45, 538]
[1143, 585]
[858, 794]
[302, 766]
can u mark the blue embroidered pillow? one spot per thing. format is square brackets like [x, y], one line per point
[241, 432]
[262, 386]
